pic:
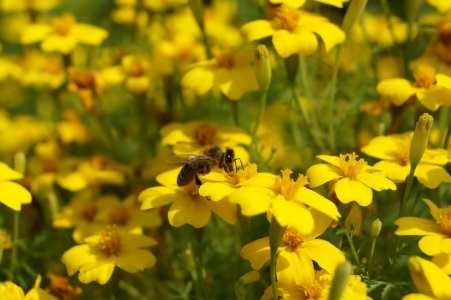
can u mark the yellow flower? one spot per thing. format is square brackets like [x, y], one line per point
[97, 258]
[87, 84]
[71, 129]
[297, 251]
[319, 289]
[356, 178]
[429, 280]
[10, 291]
[377, 29]
[231, 73]
[284, 198]
[293, 31]
[63, 35]
[42, 70]
[12, 194]
[187, 207]
[442, 6]
[437, 234]
[162, 5]
[20, 5]
[299, 3]
[8, 69]
[431, 95]
[393, 150]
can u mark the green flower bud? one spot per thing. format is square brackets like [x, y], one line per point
[353, 14]
[376, 228]
[262, 67]
[420, 139]
[340, 281]
[20, 162]
[198, 11]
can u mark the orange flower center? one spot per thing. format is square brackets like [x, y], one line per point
[242, 175]
[424, 77]
[205, 134]
[119, 215]
[83, 79]
[288, 17]
[445, 220]
[89, 211]
[293, 238]
[288, 187]
[350, 166]
[136, 69]
[403, 151]
[224, 57]
[110, 241]
[62, 25]
[315, 290]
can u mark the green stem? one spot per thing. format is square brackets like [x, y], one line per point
[406, 191]
[444, 125]
[234, 105]
[370, 263]
[195, 274]
[420, 190]
[276, 233]
[260, 115]
[198, 233]
[13, 265]
[351, 243]
[330, 106]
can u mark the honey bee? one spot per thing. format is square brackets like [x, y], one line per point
[205, 160]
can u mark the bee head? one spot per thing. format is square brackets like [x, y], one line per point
[229, 158]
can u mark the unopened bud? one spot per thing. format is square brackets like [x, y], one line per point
[20, 162]
[262, 67]
[340, 281]
[198, 11]
[364, 261]
[376, 228]
[420, 139]
[353, 14]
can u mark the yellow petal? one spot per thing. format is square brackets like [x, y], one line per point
[399, 90]
[431, 175]
[137, 85]
[199, 80]
[77, 256]
[237, 81]
[34, 33]
[443, 261]
[59, 43]
[333, 160]
[73, 182]
[257, 253]
[416, 226]
[134, 260]
[382, 147]
[253, 200]
[137, 241]
[290, 213]
[336, 3]
[324, 253]
[169, 178]
[256, 30]
[322, 173]
[189, 210]
[417, 297]
[433, 209]
[14, 195]
[291, 3]
[434, 97]
[294, 267]
[288, 43]
[216, 190]
[432, 244]
[318, 202]
[376, 181]
[224, 209]
[7, 173]
[100, 272]
[261, 180]
[157, 196]
[393, 170]
[443, 80]
[113, 75]
[351, 190]
[322, 222]
[89, 34]
[330, 33]
[227, 134]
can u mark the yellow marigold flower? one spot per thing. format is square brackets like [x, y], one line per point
[442, 6]
[63, 35]
[285, 198]
[97, 258]
[229, 72]
[437, 234]
[41, 70]
[87, 84]
[60, 287]
[297, 251]
[21, 5]
[187, 207]
[71, 129]
[293, 31]
[377, 29]
[10, 291]
[319, 289]
[393, 150]
[299, 3]
[356, 178]
[431, 95]
[13, 194]
[429, 280]
[8, 69]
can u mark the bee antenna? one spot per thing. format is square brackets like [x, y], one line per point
[236, 167]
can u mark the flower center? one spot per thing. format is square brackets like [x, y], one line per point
[350, 166]
[403, 150]
[445, 220]
[119, 215]
[444, 27]
[288, 17]
[315, 290]
[248, 172]
[83, 79]
[62, 25]
[424, 77]
[224, 58]
[89, 211]
[136, 69]
[110, 241]
[205, 134]
[293, 238]
[288, 187]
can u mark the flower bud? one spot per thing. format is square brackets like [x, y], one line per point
[198, 11]
[420, 139]
[340, 280]
[262, 67]
[353, 14]
[20, 162]
[376, 228]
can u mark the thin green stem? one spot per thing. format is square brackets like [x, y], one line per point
[308, 92]
[14, 245]
[199, 263]
[195, 273]
[351, 243]
[276, 233]
[272, 267]
[420, 190]
[370, 263]
[406, 192]
[444, 125]
[260, 115]
[234, 105]
[330, 105]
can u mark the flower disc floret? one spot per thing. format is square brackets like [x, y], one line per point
[351, 166]
[292, 237]
[288, 17]
[424, 77]
[445, 220]
[110, 241]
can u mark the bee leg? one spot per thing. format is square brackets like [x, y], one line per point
[199, 183]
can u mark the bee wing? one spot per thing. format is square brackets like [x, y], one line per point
[182, 159]
[188, 148]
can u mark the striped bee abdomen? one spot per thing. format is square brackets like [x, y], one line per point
[186, 174]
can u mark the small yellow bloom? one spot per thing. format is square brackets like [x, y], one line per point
[10, 291]
[429, 280]
[437, 234]
[394, 152]
[296, 253]
[42, 70]
[299, 3]
[293, 31]
[377, 29]
[285, 198]
[442, 6]
[97, 258]
[12, 194]
[21, 5]
[9, 69]
[356, 178]
[231, 73]
[71, 129]
[187, 207]
[63, 35]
